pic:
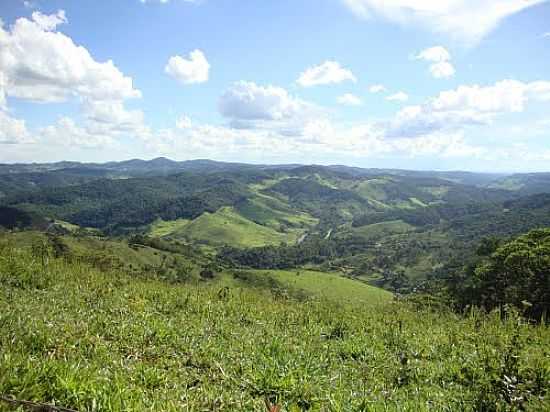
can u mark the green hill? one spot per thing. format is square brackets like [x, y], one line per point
[321, 285]
[227, 227]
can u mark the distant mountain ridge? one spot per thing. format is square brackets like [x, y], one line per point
[21, 177]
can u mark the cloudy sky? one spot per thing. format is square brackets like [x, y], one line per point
[418, 84]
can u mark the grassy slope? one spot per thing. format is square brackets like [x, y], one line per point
[99, 250]
[226, 226]
[257, 221]
[379, 230]
[327, 286]
[372, 189]
[162, 228]
[266, 210]
[111, 342]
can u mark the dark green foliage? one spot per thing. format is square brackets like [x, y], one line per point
[431, 215]
[116, 205]
[514, 273]
[524, 183]
[13, 218]
[313, 250]
[160, 244]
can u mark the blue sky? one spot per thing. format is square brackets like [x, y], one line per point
[457, 84]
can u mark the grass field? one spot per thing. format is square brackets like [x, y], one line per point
[105, 252]
[227, 227]
[326, 286]
[162, 228]
[106, 341]
[372, 189]
[378, 230]
[266, 210]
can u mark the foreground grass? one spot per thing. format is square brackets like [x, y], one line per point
[105, 341]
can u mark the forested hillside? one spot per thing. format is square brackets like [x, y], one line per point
[391, 228]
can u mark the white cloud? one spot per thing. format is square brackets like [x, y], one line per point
[329, 72]
[547, 34]
[184, 122]
[466, 106]
[246, 101]
[503, 96]
[40, 64]
[2, 91]
[442, 70]
[377, 88]
[68, 134]
[439, 57]
[189, 71]
[13, 131]
[112, 116]
[466, 20]
[349, 99]
[29, 4]
[434, 54]
[49, 22]
[398, 97]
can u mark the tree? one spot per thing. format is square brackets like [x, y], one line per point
[517, 273]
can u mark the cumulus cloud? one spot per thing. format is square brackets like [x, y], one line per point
[247, 101]
[40, 64]
[329, 72]
[398, 97]
[465, 20]
[193, 70]
[349, 99]
[434, 54]
[13, 131]
[377, 88]
[440, 59]
[112, 115]
[503, 96]
[442, 70]
[68, 134]
[465, 106]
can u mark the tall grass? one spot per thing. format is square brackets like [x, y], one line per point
[106, 341]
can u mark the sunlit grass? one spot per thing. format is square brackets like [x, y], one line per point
[107, 341]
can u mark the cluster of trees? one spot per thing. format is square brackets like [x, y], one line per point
[515, 272]
[14, 218]
[314, 250]
[510, 218]
[137, 240]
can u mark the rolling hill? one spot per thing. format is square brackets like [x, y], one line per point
[331, 217]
